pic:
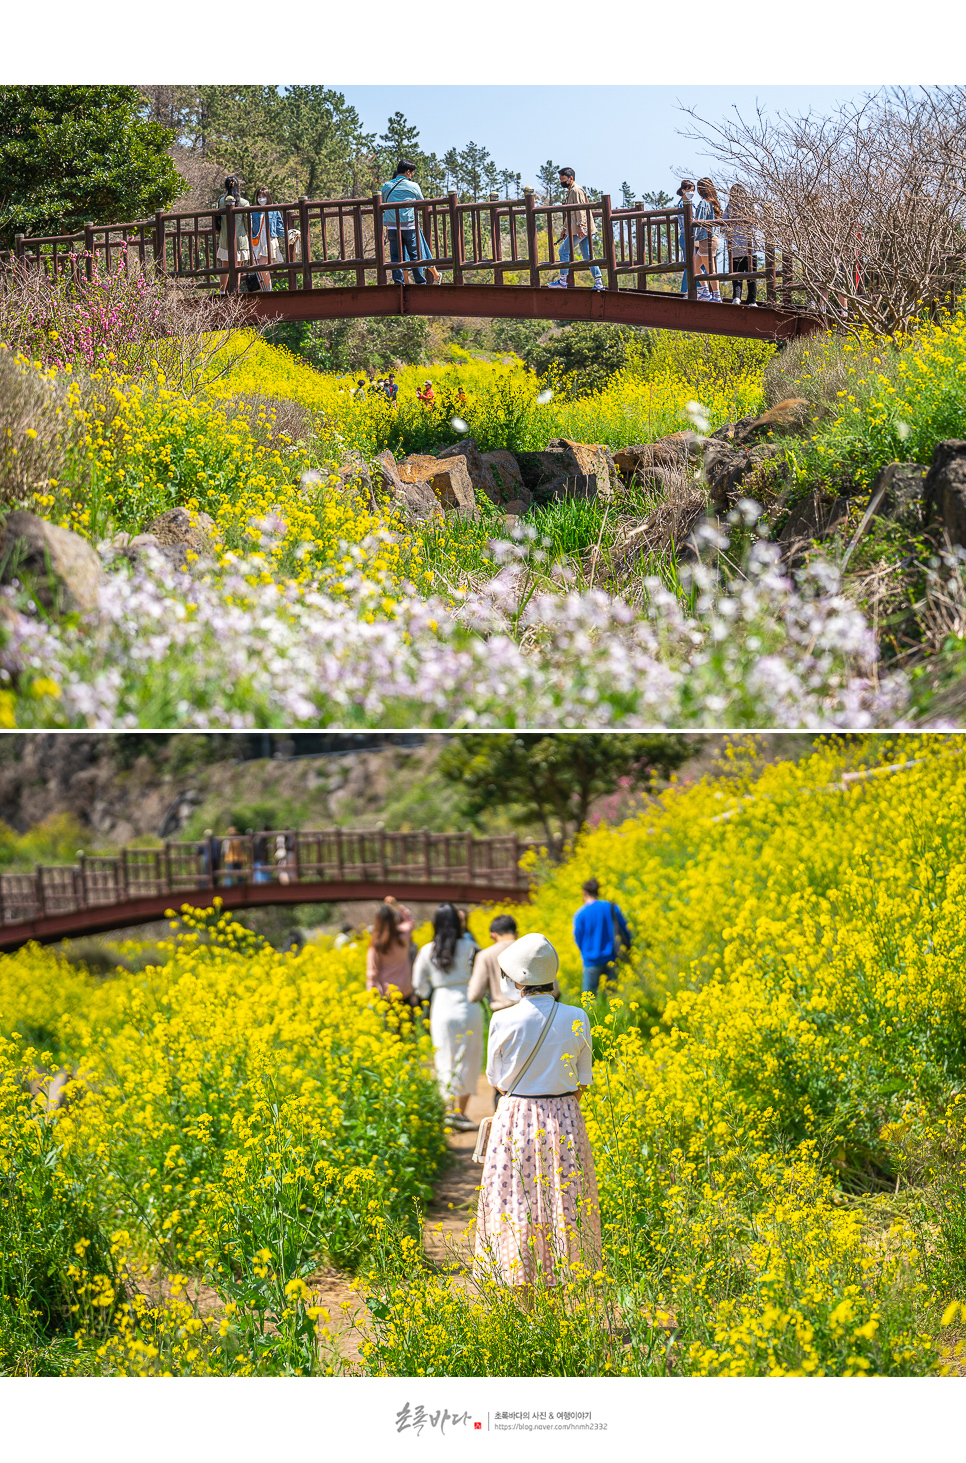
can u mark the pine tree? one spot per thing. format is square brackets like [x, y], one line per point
[549, 181]
[627, 196]
[475, 163]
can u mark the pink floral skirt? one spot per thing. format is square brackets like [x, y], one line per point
[538, 1210]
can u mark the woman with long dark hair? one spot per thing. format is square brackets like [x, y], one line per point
[738, 224]
[388, 968]
[239, 245]
[443, 968]
[707, 237]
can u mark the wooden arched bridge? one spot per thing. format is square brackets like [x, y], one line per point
[335, 865]
[492, 259]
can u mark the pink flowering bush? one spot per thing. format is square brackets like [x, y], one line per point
[121, 320]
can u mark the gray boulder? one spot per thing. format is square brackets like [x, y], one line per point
[944, 490]
[587, 459]
[480, 472]
[59, 569]
[194, 532]
[507, 479]
[416, 497]
[574, 485]
[902, 499]
[733, 472]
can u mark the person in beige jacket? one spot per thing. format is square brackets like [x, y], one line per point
[488, 979]
[584, 227]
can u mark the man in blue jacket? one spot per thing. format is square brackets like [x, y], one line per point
[400, 223]
[597, 927]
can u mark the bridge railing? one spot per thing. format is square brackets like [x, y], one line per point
[333, 242]
[287, 856]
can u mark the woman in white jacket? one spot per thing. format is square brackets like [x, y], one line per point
[539, 1212]
[455, 1023]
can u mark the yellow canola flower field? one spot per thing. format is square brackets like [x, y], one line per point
[776, 1116]
[140, 448]
[502, 404]
[236, 1114]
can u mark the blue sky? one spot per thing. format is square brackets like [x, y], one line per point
[607, 133]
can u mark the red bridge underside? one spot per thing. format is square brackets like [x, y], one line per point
[243, 896]
[616, 307]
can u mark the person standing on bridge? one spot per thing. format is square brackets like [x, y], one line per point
[707, 237]
[232, 195]
[738, 226]
[443, 969]
[539, 1213]
[401, 222]
[267, 231]
[232, 856]
[584, 231]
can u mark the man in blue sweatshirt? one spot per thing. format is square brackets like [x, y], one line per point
[597, 925]
[400, 223]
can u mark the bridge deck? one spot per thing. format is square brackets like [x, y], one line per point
[332, 259]
[660, 311]
[46, 929]
[325, 866]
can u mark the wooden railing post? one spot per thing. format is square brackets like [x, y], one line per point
[289, 250]
[379, 239]
[230, 241]
[296, 856]
[689, 251]
[426, 868]
[167, 867]
[160, 245]
[306, 243]
[382, 853]
[39, 884]
[610, 253]
[358, 245]
[456, 238]
[82, 876]
[516, 861]
[89, 250]
[786, 275]
[124, 881]
[770, 274]
[530, 209]
[18, 245]
[338, 852]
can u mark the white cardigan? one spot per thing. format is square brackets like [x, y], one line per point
[563, 1062]
[427, 975]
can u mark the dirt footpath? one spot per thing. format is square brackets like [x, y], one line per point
[449, 1229]
[448, 1232]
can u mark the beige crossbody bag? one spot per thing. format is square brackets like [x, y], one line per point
[483, 1135]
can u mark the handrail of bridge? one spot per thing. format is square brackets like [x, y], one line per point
[287, 857]
[346, 240]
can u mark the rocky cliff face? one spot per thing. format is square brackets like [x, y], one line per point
[158, 791]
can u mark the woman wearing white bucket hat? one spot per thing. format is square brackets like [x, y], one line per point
[538, 1210]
